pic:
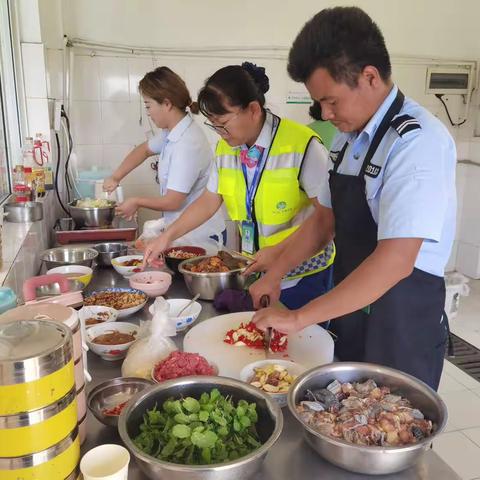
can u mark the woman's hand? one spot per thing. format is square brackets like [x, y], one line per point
[263, 260]
[110, 184]
[154, 248]
[283, 320]
[265, 286]
[128, 208]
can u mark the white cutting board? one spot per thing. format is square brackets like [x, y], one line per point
[311, 347]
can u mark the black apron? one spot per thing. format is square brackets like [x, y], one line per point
[405, 328]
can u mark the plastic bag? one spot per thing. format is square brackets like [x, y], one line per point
[153, 344]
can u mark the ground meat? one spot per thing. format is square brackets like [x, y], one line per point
[182, 364]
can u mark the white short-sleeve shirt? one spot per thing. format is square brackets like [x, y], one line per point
[414, 194]
[184, 166]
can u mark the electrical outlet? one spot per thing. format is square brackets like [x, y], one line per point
[57, 109]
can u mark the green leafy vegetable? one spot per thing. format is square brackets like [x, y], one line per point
[190, 431]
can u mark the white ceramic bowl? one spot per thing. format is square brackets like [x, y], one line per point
[75, 272]
[93, 311]
[188, 316]
[123, 270]
[125, 312]
[248, 371]
[110, 352]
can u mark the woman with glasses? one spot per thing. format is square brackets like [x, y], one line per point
[185, 157]
[267, 172]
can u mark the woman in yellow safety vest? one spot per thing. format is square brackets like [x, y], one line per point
[267, 171]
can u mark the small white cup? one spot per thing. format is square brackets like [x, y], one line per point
[106, 462]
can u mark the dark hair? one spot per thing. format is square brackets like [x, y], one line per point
[163, 83]
[235, 85]
[343, 40]
[315, 110]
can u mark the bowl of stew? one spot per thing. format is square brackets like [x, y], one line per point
[111, 341]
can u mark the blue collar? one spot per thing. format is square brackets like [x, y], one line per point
[179, 129]
[374, 122]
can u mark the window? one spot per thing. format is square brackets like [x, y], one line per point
[9, 118]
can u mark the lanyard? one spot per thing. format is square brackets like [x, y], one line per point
[251, 189]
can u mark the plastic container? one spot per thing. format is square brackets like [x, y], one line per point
[456, 286]
[27, 153]
[22, 193]
[8, 299]
[85, 182]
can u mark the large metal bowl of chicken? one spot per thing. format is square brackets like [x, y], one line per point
[209, 284]
[358, 457]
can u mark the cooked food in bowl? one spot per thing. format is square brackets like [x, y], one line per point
[181, 254]
[211, 428]
[364, 414]
[94, 203]
[114, 338]
[247, 334]
[272, 378]
[181, 364]
[131, 263]
[117, 300]
[92, 321]
[214, 264]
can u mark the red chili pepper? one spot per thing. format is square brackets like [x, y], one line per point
[116, 410]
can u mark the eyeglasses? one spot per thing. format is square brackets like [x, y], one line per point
[221, 128]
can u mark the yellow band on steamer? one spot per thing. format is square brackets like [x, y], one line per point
[15, 442]
[28, 396]
[58, 467]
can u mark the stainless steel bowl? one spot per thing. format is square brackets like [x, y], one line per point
[54, 288]
[108, 251]
[369, 459]
[92, 217]
[209, 284]
[269, 428]
[23, 212]
[56, 257]
[111, 393]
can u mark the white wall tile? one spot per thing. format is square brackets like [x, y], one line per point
[141, 126]
[113, 155]
[38, 116]
[34, 73]
[54, 73]
[88, 156]
[86, 78]
[114, 79]
[118, 126]
[86, 122]
[137, 68]
[475, 150]
[462, 454]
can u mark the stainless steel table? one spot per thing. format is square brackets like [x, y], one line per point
[291, 458]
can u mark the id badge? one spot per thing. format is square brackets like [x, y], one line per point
[248, 235]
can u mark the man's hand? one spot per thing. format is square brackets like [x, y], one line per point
[265, 286]
[128, 208]
[110, 184]
[263, 260]
[285, 321]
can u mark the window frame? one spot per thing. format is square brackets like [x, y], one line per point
[9, 91]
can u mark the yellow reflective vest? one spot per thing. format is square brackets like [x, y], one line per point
[280, 205]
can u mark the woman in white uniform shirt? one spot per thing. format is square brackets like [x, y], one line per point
[185, 157]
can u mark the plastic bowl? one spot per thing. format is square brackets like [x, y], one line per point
[94, 311]
[248, 371]
[188, 316]
[74, 272]
[110, 352]
[152, 283]
[173, 263]
[124, 270]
